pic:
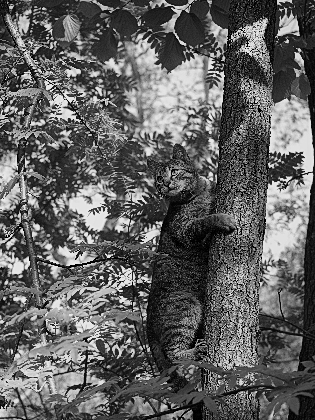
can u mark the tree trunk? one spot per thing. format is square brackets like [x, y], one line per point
[232, 302]
[307, 407]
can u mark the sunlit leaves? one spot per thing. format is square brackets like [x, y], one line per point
[158, 16]
[189, 29]
[124, 22]
[171, 54]
[66, 29]
[106, 47]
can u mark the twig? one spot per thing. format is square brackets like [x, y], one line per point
[288, 332]
[22, 403]
[287, 322]
[280, 306]
[81, 264]
[86, 359]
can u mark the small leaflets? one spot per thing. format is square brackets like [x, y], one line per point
[200, 9]
[106, 47]
[124, 23]
[171, 54]
[158, 16]
[189, 29]
[66, 29]
[89, 9]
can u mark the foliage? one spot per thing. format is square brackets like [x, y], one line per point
[86, 141]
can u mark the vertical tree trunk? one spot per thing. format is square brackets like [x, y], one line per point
[307, 408]
[232, 303]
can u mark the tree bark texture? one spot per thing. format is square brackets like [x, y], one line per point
[232, 302]
[307, 407]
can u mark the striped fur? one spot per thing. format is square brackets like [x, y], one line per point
[176, 299]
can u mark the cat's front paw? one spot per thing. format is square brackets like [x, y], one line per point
[226, 223]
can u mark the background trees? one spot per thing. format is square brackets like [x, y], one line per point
[76, 149]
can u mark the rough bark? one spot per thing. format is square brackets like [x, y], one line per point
[231, 313]
[307, 407]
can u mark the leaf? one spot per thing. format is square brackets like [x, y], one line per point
[106, 47]
[9, 186]
[300, 87]
[74, 355]
[219, 15]
[177, 2]
[32, 92]
[124, 22]
[158, 16]
[284, 166]
[189, 29]
[210, 404]
[38, 176]
[294, 405]
[282, 85]
[89, 9]
[171, 54]
[110, 3]
[308, 364]
[200, 9]
[66, 29]
[49, 3]
[284, 58]
[100, 346]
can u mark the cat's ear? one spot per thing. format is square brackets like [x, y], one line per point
[153, 165]
[180, 153]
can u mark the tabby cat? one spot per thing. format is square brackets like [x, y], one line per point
[176, 299]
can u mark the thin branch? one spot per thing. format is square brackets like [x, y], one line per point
[18, 41]
[22, 403]
[95, 261]
[280, 306]
[287, 322]
[86, 360]
[287, 332]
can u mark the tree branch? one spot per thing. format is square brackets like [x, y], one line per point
[17, 39]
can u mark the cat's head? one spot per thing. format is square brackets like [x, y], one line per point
[177, 179]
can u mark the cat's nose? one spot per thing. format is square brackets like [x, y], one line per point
[166, 182]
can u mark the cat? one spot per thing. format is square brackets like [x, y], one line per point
[176, 298]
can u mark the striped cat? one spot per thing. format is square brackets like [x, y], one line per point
[176, 299]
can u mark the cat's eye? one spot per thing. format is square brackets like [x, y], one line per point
[159, 179]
